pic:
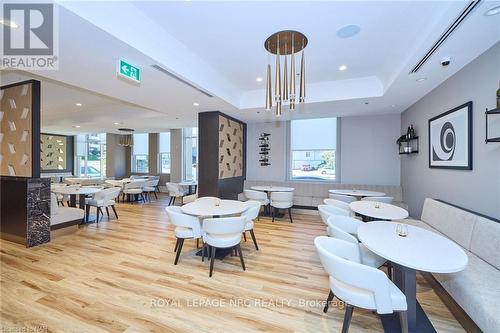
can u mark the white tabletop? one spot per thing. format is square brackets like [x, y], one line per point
[189, 183]
[73, 190]
[421, 249]
[270, 188]
[209, 208]
[384, 211]
[358, 193]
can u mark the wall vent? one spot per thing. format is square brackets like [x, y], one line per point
[172, 75]
[453, 26]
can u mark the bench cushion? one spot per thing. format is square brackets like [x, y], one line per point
[455, 223]
[66, 214]
[485, 241]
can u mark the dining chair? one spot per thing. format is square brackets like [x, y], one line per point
[134, 189]
[175, 191]
[150, 187]
[341, 197]
[105, 198]
[325, 211]
[186, 227]
[387, 200]
[356, 284]
[340, 204]
[257, 196]
[251, 214]
[223, 233]
[282, 200]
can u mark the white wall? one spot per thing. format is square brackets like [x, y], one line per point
[479, 189]
[368, 151]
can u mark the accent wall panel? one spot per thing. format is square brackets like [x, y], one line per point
[56, 153]
[16, 150]
[230, 148]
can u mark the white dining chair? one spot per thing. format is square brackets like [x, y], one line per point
[340, 204]
[105, 198]
[186, 227]
[134, 189]
[222, 233]
[356, 284]
[387, 200]
[282, 200]
[341, 197]
[325, 211]
[175, 191]
[251, 214]
[257, 196]
[149, 187]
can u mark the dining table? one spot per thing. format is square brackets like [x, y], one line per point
[270, 189]
[378, 210]
[80, 192]
[191, 185]
[415, 250]
[357, 193]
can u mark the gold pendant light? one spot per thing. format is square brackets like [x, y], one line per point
[284, 43]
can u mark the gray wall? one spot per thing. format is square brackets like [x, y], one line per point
[479, 189]
[368, 151]
[116, 156]
[176, 155]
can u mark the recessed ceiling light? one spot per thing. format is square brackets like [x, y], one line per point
[196, 104]
[8, 23]
[77, 126]
[78, 104]
[117, 123]
[342, 67]
[259, 79]
[348, 31]
[492, 11]
[420, 79]
[393, 105]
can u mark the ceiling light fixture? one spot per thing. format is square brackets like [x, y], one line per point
[348, 31]
[492, 11]
[77, 126]
[78, 104]
[284, 43]
[10, 24]
[421, 79]
[259, 79]
[117, 123]
[342, 67]
[196, 104]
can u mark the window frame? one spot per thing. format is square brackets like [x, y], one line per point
[183, 160]
[338, 156]
[160, 153]
[133, 168]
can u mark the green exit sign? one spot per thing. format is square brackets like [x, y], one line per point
[129, 71]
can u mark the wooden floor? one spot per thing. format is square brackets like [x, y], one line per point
[119, 276]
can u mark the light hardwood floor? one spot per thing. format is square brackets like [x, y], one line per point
[119, 276]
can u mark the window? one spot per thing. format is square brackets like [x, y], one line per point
[91, 155]
[313, 144]
[190, 154]
[140, 153]
[164, 151]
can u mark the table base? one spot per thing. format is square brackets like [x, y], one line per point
[219, 253]
[423, 324]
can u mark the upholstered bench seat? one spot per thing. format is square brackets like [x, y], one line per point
[63, 220]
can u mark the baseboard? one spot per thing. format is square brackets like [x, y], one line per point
[460, 315]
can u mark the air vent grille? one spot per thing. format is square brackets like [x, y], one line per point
[172, 75]
[453, 26]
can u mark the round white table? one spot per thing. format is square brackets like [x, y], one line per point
[420, 250]
[384, 211]
[270, 188]
[358, 193]
[191, 185]
[209, 208]
[80, 192]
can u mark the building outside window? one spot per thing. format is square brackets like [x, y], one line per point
[190, 154]
[140, 153]
[91, 155]
[313, 144]
[164, 151]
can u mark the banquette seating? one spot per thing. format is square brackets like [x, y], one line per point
[475, 289]
[63, 219]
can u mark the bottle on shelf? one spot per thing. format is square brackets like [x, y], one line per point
[408, 132]
[412, 132]
[498, 98]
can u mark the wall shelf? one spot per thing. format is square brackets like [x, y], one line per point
[411, 144]
[490, 113]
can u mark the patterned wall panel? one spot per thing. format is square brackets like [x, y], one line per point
[53, 152]
[230, 148]
[16, 131]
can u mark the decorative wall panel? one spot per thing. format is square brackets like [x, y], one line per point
[38, 211]
[16, 132]
[53, 152]
[230, 148]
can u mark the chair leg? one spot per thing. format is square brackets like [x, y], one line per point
[114, 210]
[143, 199]
[176, 245]
[290, 214]
[97, 217]
[102, 213]
[212, 257]
[328, 300]
[179, 249]
[173, 201]
[347, 318]
[107, 211]
[273, 212]
[254, 239]
[389, 270]
[156, 197]
[197, 242]
[238, 247]
[204, 246]
[403, 321]
[87, 213]
[244, 236]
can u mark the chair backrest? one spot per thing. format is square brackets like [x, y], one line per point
[325, 211]
[255, 195]
[388, 200]
[336, 232]
[341, 197]
[253, 210]
[173, 189]
[338, 203]
[107, 194]
[134, 184]
[53, 204]
[224, 225]
[338, 257]
[347, 224]
[179, 219]
[151, 182]
[282, 196]
[208, 199]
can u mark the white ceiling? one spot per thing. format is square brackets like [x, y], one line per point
[218, 46]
